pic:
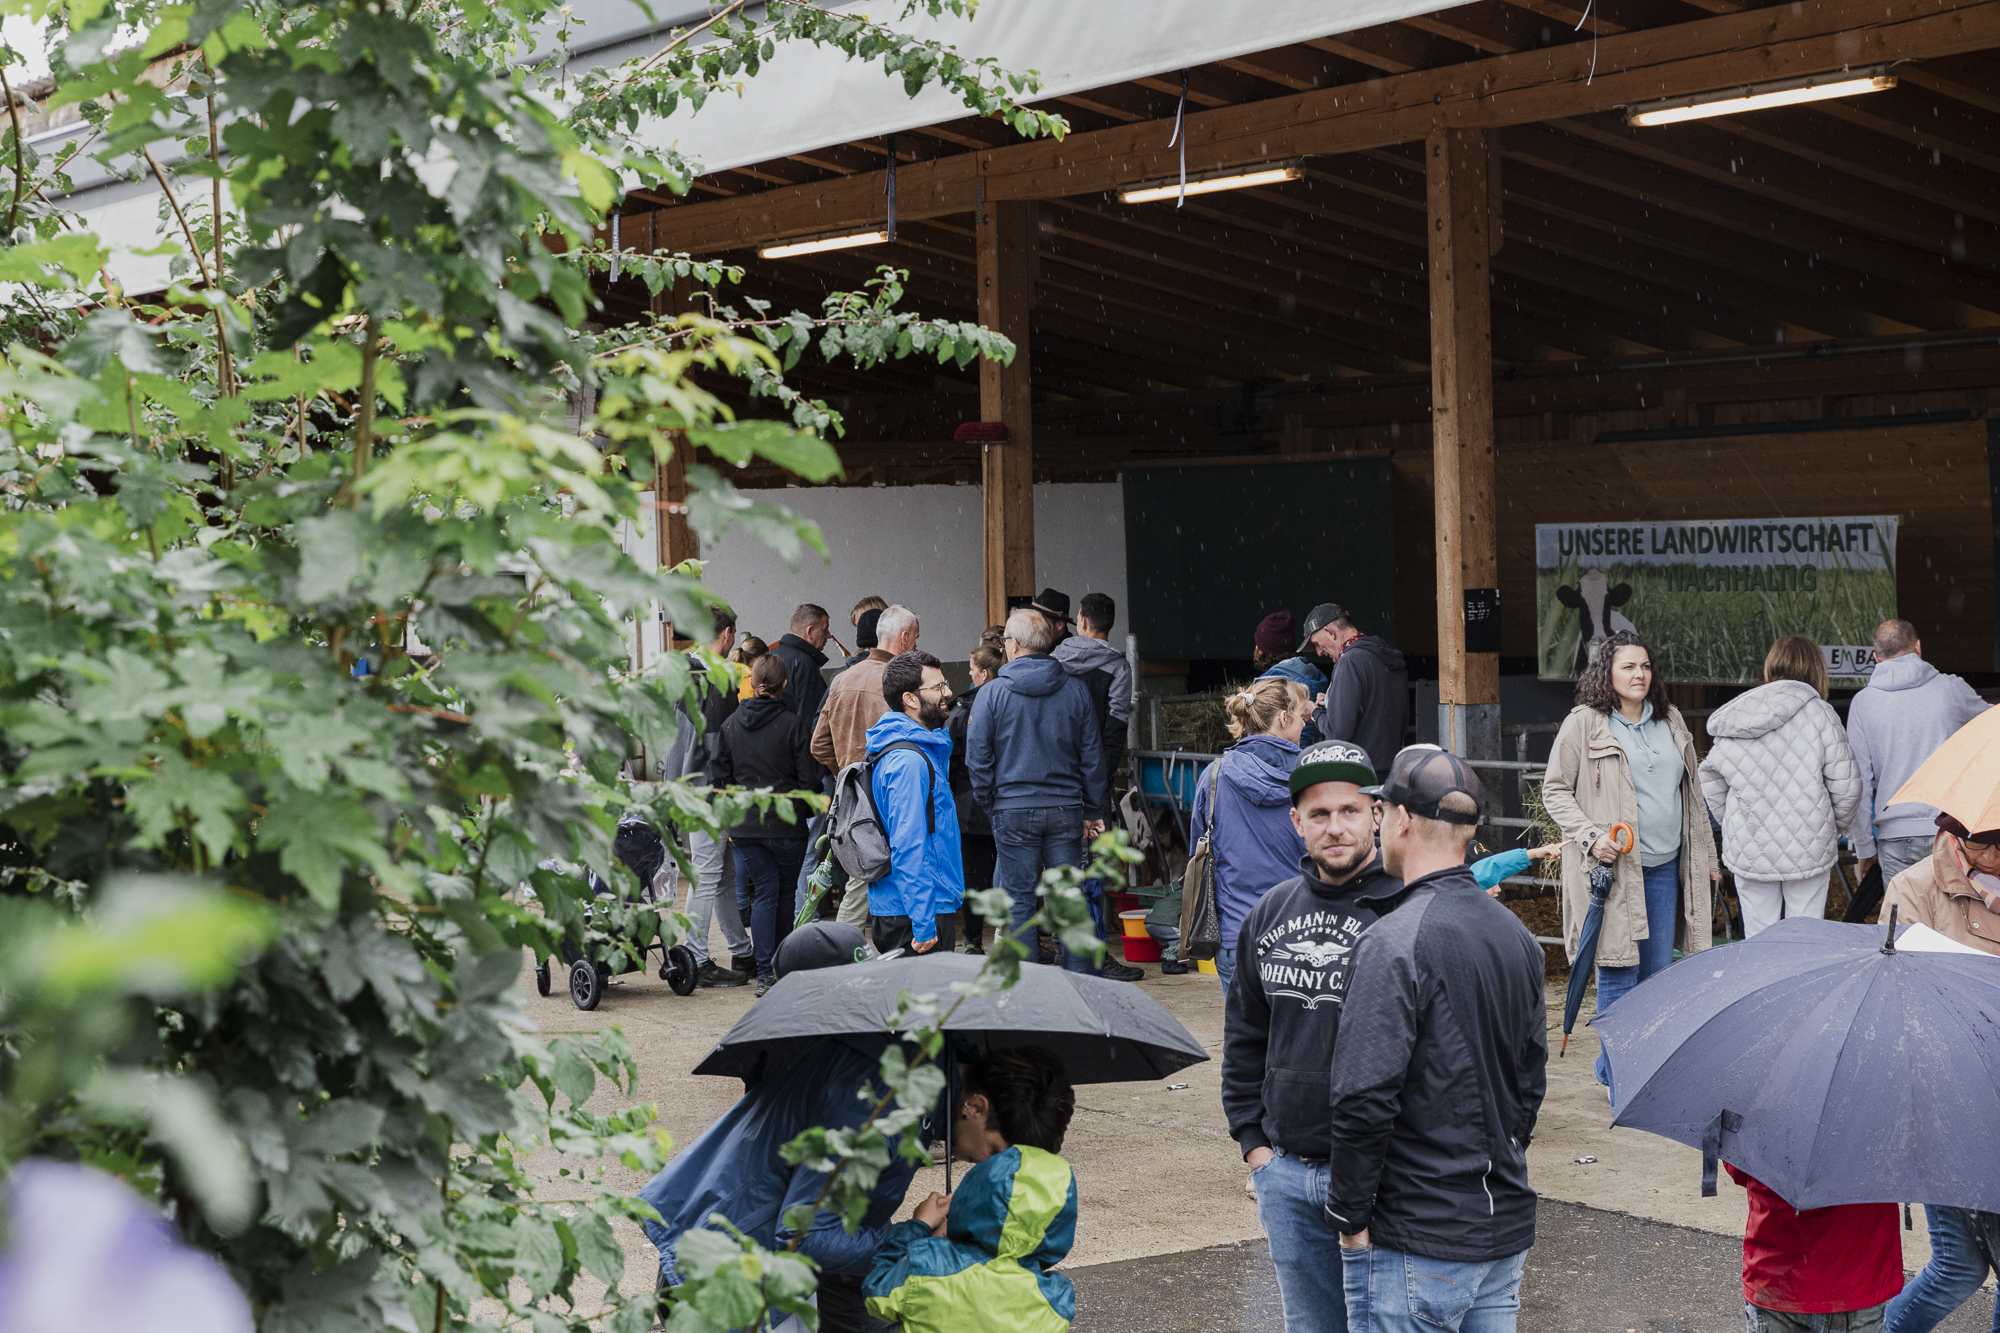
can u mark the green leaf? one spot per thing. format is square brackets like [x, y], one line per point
[317, 836]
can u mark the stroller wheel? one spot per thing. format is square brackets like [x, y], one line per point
[678, 969]
[542, 977]
[586, 984]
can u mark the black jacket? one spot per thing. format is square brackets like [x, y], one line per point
[972, 817]
[689, 755]
[805, 688]
[1367, 700]
[1292, 964]
[766, 744]
[1438, 1075]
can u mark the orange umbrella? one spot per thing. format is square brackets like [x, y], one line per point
[1962, 778]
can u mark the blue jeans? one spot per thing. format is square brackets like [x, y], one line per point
[1225, 969]
[770, 867]
[1392, 1292]
[1026, 842]
[814, 828]
[1952, 1277]
[1291, 1206]
[1663, 908]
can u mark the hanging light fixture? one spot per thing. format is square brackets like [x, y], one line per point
[1235, 178]
[812, 245]
[1758, 96]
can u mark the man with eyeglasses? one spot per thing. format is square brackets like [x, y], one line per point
[1956, 892]
[914, 906]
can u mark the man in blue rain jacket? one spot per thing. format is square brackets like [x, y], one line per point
[914, 906]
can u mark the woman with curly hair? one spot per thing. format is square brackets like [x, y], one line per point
[1625, 756]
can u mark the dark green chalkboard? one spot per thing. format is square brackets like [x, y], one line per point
[1212, 550]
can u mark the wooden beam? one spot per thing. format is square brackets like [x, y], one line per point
[1461, 411]
[1664, 185]
[1006, 240]
[1574, 79]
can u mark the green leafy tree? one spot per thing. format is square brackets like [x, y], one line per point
[313, 627]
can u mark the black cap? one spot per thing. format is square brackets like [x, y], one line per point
[864, 628]
[820, 944]
[1423, 775]
[1331, 761]
[1052, 603]
[1319, 618]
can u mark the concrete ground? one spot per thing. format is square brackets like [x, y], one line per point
[1160, 1183]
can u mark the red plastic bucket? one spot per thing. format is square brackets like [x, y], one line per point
[1141, 951]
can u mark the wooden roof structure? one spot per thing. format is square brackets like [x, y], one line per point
[1479, 257]
[1841, 225]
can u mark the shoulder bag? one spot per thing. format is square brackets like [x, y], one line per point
[1201, 925]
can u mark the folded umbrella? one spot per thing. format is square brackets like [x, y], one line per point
[1602, 877]
[1828, 1063]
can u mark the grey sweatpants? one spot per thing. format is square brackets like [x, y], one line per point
[713, 894]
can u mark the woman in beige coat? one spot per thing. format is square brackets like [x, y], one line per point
[1624, 755]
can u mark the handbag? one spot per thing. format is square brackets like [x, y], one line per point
[1201, 924]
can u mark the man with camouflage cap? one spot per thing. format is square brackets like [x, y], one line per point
[1283, 1011]
[1438, 1075]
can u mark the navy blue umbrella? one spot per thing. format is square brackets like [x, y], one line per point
[1602, 877]
[1825, 1062]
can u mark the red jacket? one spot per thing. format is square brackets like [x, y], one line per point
[1821, 1261]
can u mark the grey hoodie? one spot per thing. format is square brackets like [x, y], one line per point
[1080, 655]
[1907, 711]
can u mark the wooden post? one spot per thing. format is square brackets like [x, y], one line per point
[1006, 245]
[670, 493]
[1461, 231]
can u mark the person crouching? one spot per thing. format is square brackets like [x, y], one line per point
[942, 1271]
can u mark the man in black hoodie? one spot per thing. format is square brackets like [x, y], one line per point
[1437, 1077]
[800, 650]
[1283, 1013]
[804, 693]
[1367, 697]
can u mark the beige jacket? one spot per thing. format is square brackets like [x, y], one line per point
[1587, 790]
[853, 704]
[1936, 893]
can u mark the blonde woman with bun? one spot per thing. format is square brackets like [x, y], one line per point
[1250, 810]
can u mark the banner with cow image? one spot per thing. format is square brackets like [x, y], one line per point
[1711, 596]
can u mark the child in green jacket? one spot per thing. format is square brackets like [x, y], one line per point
[978, 1259]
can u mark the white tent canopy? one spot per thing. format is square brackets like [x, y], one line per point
[809, 97]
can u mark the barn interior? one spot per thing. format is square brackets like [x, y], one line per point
[1468, 297]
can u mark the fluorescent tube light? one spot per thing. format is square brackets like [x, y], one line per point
[1208, 183]
[1758, 96]
[816, 244]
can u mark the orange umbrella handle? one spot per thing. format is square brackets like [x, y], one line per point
[1631, 837]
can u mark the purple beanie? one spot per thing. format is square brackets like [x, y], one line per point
[1274, 637]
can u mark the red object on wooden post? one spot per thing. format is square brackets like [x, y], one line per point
[980, 432]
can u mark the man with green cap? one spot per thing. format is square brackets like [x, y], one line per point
[1283, 1012]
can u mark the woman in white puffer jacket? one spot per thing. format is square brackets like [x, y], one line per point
[1782, 781]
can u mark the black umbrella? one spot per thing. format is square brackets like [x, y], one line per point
[1828, 1064]
[1602, 877]
[1103, 1031]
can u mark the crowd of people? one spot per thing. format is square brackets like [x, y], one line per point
[1385, 1045]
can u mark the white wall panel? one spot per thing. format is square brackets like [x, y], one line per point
[921, 546]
